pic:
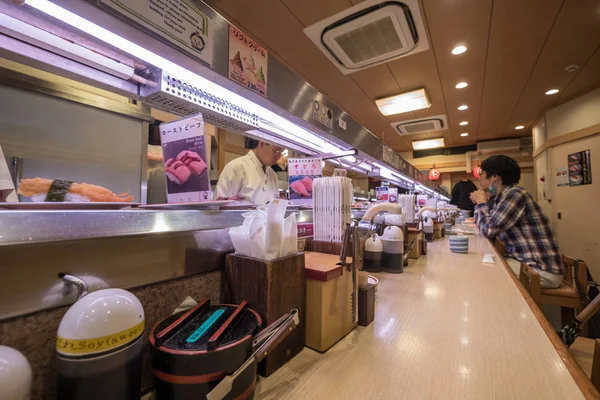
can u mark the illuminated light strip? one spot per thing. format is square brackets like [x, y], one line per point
[300, 135]
[388, 172]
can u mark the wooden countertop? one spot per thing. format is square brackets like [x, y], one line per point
[449, 327]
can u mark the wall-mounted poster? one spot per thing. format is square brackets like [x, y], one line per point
[247, 62]
[301, 172]
[184, 155]
[580, 168]
[178, 21]
[562, 176]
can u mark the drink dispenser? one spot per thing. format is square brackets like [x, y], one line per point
[428, 229]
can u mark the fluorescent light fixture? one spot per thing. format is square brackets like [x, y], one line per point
[275, 123]
[463, 123]
[405, 102]
[428, 144]
[519, 127]
[552, 91]
[463, 107]
[40, 38]
[389, 174]
[461, 85]
[464, 134]
[459, 50]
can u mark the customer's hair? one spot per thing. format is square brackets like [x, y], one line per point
[504, 167]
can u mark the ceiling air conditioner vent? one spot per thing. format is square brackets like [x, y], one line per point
[431, 124]
[499, 146]
[370, 33]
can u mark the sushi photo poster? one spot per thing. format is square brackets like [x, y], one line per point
[248, 62]
[184, 156]
[301, 172]
[580, 168]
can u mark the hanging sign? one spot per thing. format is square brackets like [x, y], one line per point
[477, 172]
[184, 155]
[301, 172]
[178, 21]
[322, 114]
[580, 168]
[248, 62]
[562, 176]
[434, 174]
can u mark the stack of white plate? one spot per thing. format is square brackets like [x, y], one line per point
[459, 244]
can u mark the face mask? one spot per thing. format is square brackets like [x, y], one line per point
[492, 189]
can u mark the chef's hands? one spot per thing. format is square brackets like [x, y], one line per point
[479, 197]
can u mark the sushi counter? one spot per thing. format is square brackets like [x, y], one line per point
[443, 328]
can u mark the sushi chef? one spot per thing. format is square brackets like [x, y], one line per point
[251, 177]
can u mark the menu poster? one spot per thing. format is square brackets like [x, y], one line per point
[301, 172]
[178, 21]
[422, 200]
[562, 176]
[248, 62]
[393, 195]
[382, 193]
[184, 155]
[580, 168]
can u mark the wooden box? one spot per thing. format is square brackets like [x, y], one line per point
[272, 289]
[329, 305]
[366, 305]
[438, 230]
[417, 249]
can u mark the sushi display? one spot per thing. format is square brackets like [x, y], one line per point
[302, 187]
[48, 190]
[186, 164]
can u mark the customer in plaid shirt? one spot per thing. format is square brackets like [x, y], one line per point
[518, 220]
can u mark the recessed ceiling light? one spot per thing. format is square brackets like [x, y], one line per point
[405, 102]
[459, 50]
[428, 144]
[461, 85]
[519, 127]
[464, 134]
[552, 91]
[464, 123]
[463, 107]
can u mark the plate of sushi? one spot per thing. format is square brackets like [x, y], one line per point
[48, 194]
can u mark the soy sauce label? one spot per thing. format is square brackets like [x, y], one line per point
[80, 347]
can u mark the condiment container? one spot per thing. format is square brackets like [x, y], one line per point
[373, 254]
[393, 250]
[428, 229]
[99, 347]
[15, 375]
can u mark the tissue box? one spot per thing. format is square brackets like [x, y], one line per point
[459, 244]
[272, 289]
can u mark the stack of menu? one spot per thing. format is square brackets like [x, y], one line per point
[332, 197]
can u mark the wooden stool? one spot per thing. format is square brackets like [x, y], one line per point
[500, 246]
[586, 353]
[566, 295]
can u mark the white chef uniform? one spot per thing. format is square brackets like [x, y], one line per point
[245, 177]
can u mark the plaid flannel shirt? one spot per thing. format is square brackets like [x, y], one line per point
[519, 222]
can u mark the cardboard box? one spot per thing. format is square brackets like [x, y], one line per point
[416, 251]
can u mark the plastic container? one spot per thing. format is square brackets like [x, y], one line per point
[393, 250]
[373, 254]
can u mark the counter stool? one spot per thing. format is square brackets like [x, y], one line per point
[586, 353]
[566, 295]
